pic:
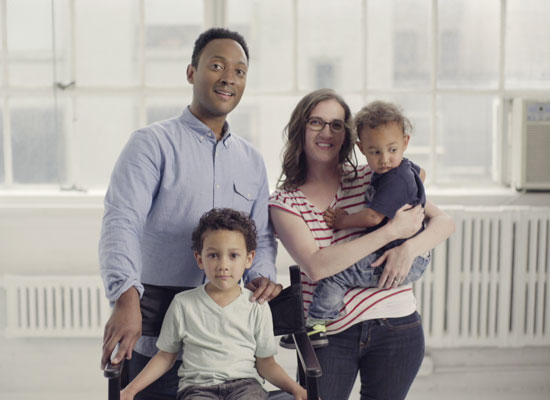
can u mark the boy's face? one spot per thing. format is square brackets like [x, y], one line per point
[224, 258]
[383, 146]
[219, 79]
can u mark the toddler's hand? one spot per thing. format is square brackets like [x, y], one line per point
[334, 217]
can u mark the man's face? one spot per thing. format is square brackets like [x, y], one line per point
[218, 80]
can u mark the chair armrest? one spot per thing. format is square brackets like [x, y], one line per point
[307, 355]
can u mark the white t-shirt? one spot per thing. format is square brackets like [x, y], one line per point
[360, 303]
[219, 343]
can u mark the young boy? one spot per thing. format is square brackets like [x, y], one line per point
[227, 340]
[383, 138]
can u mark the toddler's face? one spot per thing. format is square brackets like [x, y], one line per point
[383, 146]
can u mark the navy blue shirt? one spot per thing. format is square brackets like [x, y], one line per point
[388, 192]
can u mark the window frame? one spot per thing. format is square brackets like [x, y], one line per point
[215, 15]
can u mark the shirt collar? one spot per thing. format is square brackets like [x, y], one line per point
[198, 127]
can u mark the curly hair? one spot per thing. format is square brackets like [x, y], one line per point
[224, 219]
[216, 33]
[380, 113]
[294, 168]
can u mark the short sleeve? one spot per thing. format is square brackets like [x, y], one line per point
[265, 341]
[391, 194]
[283, 200]
[170, 338]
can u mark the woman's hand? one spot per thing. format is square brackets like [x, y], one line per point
[407, 221]
[399, 261]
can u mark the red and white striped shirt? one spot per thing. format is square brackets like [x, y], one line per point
[360, 303]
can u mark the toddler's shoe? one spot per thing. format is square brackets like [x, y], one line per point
[318, 336]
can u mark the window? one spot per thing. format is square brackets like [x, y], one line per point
[76, 85]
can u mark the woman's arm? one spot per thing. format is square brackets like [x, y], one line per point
[155, 368]
[321, 263]
[399, 259]
[269, 369]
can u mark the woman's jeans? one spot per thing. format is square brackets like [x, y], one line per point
[328, 296]
[387, 353]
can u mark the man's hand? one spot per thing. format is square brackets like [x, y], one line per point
[264, 289]
[334, 216]
[124, 327]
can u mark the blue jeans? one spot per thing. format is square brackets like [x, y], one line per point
[387, 354]
[166, 384]
[328, 296]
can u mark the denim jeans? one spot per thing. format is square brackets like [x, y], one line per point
[238, 389]
[166, 384]
[328, 296]
[387, 354]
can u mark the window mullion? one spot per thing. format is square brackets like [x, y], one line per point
[434, 108]
[6, 137]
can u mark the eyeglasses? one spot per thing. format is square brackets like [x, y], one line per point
[317, 124]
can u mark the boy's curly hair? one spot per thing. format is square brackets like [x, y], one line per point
[224, 219]
[380, 113]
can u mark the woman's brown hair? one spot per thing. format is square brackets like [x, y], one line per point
[294, 168]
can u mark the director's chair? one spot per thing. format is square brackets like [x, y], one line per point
[288, 319]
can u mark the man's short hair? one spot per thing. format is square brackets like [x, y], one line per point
[216, 33]
[225, 219]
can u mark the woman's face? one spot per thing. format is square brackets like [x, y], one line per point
[324, 145]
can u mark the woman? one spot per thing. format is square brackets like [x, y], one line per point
[379, 333]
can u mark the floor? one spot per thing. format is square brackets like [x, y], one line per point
[63, 369]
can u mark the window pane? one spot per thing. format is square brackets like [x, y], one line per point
[417, 108]
[327, 59]
[107, 42]
[2, 170]
[161, 108]
[38, 142]
[171, 27]
[267, 26]
[398, 44]
[469, 39]
[528, 44]
[465, 129]
[29, 39]
[102, 134]
[266, 117]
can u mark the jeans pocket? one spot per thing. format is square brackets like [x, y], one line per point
[410, 321]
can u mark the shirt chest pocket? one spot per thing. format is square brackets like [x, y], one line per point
[244, 195]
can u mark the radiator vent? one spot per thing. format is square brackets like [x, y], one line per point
[55, 306]
[489, 284]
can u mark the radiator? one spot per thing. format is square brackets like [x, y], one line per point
[55, 306]
[489, 283]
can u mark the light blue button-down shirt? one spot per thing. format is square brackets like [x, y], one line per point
[166, 177]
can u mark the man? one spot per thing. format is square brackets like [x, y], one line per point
[166, 177]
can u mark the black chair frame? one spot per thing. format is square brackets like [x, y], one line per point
[288, 319]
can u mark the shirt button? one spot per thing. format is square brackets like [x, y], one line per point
[248, 195]
[217, 186]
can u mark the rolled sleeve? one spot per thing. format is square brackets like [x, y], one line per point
[266, 248]
[127, 202]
